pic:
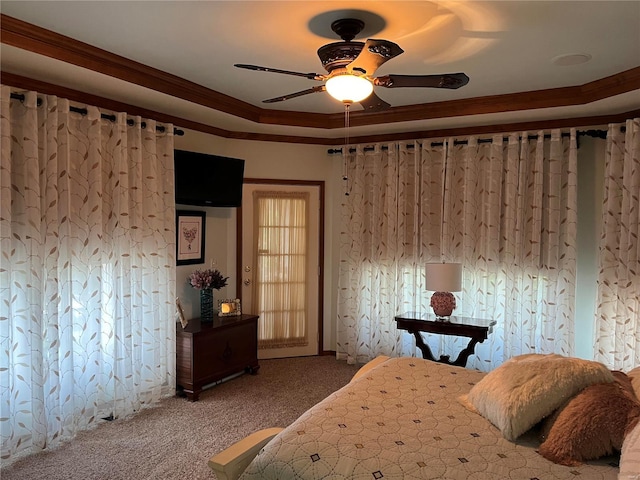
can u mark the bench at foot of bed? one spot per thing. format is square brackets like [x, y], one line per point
[231, 462]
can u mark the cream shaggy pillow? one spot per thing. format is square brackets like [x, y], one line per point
[525, 389]
[592, 424]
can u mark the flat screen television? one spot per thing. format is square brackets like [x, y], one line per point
[208, 180]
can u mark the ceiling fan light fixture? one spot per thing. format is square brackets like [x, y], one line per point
[351, 66]
[346, 87]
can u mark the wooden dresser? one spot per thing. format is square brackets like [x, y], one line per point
[207, 352]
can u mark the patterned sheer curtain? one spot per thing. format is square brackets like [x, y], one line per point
[87, 270]
[508, 215]
[618, 304]
[282, 226]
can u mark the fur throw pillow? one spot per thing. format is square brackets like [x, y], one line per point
[592, 424]
[525, 389]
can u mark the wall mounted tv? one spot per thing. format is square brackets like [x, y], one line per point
[208, 180]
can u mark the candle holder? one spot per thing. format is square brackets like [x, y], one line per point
[229, 308]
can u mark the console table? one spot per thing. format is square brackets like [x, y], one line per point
[207, 352]
[475, 328]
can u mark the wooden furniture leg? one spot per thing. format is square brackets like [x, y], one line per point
[460, 361]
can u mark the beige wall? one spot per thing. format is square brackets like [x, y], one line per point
[311, 162]
[590, 190]
[269, 160]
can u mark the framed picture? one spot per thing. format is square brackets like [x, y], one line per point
[189, 237]
[183, 321]
[229, 308]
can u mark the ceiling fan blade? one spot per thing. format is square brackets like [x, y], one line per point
[297, 94]
[373, 54]
[447, 80]
[310, 76]
[374, 103]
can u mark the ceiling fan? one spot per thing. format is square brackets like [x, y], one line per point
[355, 63]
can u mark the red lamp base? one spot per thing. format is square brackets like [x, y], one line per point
[443, 304]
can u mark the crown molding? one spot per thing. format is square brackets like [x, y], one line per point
[25, 83]
[60, 47]
[38, 40]
[623, 82]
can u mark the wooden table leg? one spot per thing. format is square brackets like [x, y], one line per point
[426, 351]
[460, 361]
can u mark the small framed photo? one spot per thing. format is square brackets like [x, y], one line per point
[190, 228]
[183, 321]
[229, 308]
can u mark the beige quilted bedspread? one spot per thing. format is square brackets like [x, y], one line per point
[402, 420]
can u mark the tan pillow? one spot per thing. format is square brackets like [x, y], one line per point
[630, 455]
[592, 424]
[525, 389]
[634, 375]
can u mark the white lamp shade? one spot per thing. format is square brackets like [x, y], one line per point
[444, 277]
[349, 88]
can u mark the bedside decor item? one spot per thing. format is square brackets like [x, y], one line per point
[206, 305]
[183, 320]
[443, 278]
[206, 281]
[189, 237]
[229, 308]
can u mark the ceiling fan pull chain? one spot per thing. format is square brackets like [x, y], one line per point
[445, 155]
[345, 153]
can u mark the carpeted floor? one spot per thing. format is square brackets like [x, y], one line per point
[176, 439]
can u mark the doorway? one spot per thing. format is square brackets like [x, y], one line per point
[280, 236]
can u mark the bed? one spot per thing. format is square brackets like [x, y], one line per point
[406, 418]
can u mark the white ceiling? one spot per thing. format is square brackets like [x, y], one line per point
[504, 47]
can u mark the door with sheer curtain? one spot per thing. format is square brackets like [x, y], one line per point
[280, 266]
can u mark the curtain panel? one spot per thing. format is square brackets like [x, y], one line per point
[618, 301]
[282, 258]
[504, 207]
[87, 270]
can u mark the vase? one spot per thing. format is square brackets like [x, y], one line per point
[206, 305]
[443, 304]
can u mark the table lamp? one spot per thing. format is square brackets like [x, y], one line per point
[443, 278]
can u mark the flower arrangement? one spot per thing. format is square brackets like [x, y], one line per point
[207, 279]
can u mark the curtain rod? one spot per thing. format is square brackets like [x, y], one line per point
[112, 118]
[582, 133]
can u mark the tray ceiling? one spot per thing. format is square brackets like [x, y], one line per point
[176, 58]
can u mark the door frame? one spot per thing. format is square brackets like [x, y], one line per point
[239, 274]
